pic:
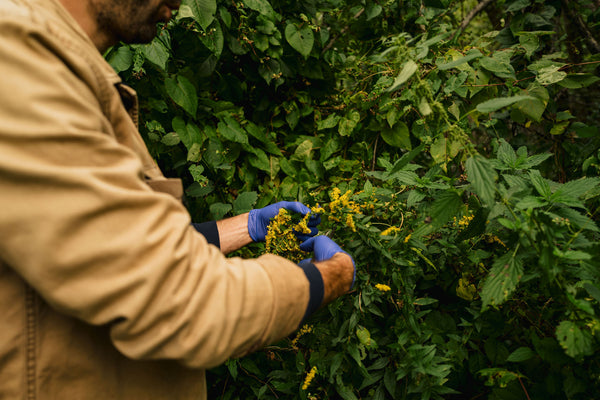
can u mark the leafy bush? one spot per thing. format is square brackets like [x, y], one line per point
[456, 159]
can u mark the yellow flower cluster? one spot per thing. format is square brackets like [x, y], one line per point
[493, 238]
[342, 208]
[309, 377]
[281, 239]
[382, 287]
[301, 332]
[464, 221]
[391, 230]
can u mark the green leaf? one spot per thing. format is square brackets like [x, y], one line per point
[550, 75]
[578, 81]
[259, 159]
[445, 206]
[471, 55]
[577, 219]
[364, 336]
[521, 354]
[188, 133]
[183, 93]
[534, 108]
[231, 130]
[575, 341]
[196, 172]
[483, 178]
[540, 184]
[330, 122]
[170, 139]
[214, 39]
[300, 38]
[218, 210]
[263, 7]
[592, 290]
[500, 102]
[244, 202]
[397, 136]
[408, 70]
[157, 53]
[302, 151]
[121, 59]
[501, 281]
[348, 123]
[202, 11]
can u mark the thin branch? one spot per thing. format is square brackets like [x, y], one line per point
[332, 41]
[583, 29]
[467, 20]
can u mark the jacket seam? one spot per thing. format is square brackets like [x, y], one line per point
[31, 342]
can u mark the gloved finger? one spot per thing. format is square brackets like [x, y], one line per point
[308, 244]
[313, 220]
[295, 206]
[305, 236]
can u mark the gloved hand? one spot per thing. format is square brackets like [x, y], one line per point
[324, 248]
[258, 220]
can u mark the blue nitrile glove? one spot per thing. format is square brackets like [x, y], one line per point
[324, 248]
[258, 220]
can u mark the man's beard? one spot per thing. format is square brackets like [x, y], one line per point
[127, 22]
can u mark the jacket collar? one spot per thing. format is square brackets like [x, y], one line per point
[66, 20]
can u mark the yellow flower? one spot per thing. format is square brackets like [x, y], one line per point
[464, 221]
[309, 377]
[301, 332]
[350, 222]
[391, 230]
[407, 238]
[382, 287]
[317, 209]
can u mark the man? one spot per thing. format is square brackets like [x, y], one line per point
[106, 289]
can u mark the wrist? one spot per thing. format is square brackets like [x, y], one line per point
[338, 275]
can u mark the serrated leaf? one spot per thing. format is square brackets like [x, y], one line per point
[575, 341]
[408, 70]
[483, 178]
[244, 202]
[577, 219]
[501, 102]
[218, 210]
[540, 184]
[183, 93]
[445, 206]
[501, 281]
[300, 38]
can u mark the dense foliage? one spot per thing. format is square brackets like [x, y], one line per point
[454, 148]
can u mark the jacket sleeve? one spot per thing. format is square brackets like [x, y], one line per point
[81, 226]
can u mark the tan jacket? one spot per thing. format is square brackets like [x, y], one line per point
[106, 291]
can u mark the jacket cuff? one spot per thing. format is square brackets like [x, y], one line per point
[317, 288]
[210, 231]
